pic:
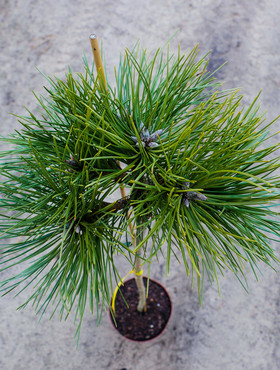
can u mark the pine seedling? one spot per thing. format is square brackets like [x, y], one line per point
[201, 172]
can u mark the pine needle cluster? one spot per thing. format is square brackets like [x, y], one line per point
[201, 180]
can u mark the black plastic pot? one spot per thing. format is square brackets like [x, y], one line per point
[136, 326]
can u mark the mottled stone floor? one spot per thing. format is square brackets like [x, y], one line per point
[237, 331]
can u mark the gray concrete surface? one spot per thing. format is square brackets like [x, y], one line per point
[236, 331]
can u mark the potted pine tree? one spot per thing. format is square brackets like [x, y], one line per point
[200, 172]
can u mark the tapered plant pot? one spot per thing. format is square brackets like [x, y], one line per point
[146, 326]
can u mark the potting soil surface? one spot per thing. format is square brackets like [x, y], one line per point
[141, 326]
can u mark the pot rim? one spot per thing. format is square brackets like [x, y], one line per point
[163, 330]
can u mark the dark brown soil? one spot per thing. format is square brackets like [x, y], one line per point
[142, 326]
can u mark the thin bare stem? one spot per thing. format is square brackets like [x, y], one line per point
[141, 307]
